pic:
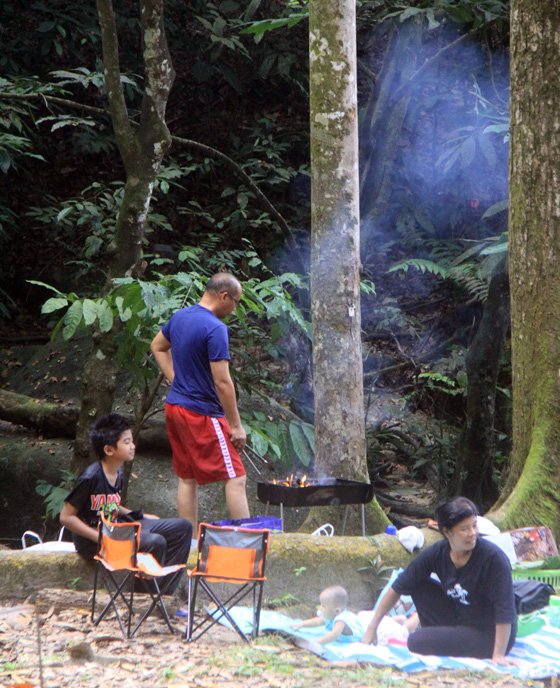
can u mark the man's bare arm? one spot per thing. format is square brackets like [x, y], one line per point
[161, 349]
[226, 394]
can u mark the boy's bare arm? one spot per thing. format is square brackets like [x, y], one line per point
[69, 519]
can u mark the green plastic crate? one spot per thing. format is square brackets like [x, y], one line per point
[544, 575]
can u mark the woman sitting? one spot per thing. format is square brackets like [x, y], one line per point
[462, 589]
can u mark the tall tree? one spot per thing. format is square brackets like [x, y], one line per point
[335, 247]
[474, 470]
[531, 494]
[142, 150]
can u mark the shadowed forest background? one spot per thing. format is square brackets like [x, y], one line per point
[233, 193]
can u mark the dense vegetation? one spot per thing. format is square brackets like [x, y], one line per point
[433, 90]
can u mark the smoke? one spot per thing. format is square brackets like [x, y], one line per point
[429, 167]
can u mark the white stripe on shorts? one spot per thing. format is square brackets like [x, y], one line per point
[223, 447]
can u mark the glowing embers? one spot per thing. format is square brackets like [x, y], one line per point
[292, 481]
[305, 491]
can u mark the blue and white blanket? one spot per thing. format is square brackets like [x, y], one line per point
[539, 652]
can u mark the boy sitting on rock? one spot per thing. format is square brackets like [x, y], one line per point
[167, 539]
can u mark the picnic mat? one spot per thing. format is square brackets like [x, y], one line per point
[538, 652]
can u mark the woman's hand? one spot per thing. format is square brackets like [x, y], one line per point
[502, 660]
[500, 644]
[370, 636]
[387, 602]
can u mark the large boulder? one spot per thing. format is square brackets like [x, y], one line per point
[298, 568]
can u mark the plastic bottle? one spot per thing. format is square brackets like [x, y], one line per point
[392, 530]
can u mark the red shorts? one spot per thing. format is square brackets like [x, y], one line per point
[202, 449]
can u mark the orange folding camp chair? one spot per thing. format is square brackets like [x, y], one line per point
[121, 564]
[227, 555]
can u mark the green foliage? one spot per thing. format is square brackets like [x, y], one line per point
[440, 382]
[262, 155]
[258, 28]
[389, 317]
[421, 265]
[7, 303]
[427, 446]
[141, 308]
[287, 600]
[470, 269]
[376, 575]
[15, 139]
[286, 441]
[54, 495]
[86, 223]
[58, 30]
[475, 13]
[12, 147]
[223, 54]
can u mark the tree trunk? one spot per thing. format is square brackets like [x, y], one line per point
[335, 226]
[142, 151]
[531, 495]
[475, 467]
[38, 415]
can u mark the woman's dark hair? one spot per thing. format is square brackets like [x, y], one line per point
[455, 510]
[107, 430]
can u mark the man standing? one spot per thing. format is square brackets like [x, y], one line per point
[202, 419]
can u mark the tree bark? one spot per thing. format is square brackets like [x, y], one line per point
[531, 494]
[37, 414]
[475, 467]
[142, 149]
[340, 448]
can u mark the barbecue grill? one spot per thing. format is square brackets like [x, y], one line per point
[294, 492]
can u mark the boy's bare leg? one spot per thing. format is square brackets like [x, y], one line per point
[236, 497]
[187, 502]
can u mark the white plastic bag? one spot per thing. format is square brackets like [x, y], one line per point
[54, 546]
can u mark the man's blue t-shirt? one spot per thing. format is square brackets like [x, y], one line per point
[197, 337]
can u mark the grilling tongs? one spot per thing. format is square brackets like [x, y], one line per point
[258, 456]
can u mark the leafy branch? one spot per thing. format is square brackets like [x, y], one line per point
[196, 146]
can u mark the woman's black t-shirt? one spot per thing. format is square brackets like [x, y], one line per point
[481, 590]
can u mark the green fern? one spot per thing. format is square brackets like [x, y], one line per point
[468, 276]
[422, 265]
[440, 382]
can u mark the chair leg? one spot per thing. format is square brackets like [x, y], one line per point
[94, 592]
[118, 592]
[130, 608]
[257, 608]
[191, 599]
[157, 601]
[222, 610]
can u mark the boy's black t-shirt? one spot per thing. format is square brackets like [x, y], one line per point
[481, 590]
[92, 491]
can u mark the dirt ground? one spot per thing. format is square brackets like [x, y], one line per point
[57, 647]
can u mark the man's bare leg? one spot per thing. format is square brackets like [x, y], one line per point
[187, 502]
[236, 497]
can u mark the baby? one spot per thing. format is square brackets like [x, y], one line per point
[341, 624]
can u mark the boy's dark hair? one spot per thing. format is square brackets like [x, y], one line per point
[106, 430]
[455, 510]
